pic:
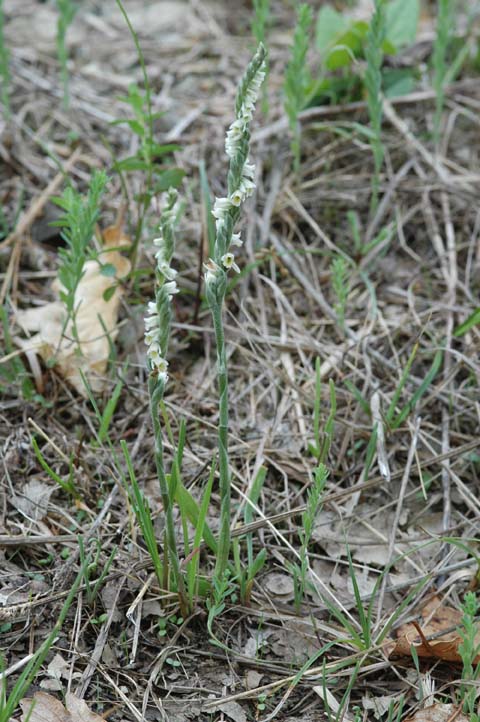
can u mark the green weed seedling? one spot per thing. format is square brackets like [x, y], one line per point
[394, 419]
[322, 440]
[66, 13]
[373, 84]
[14, 377]
[90, 565]
[297, 79]
[4, 67]
[68, 484]
[223, 589]
[77, 224]
[299, 570]
[245, 575]
[149, 158]
[150, 154]
[9, 701]
[340, 276]
[342, 42]
[190, 513]
[439, 61]
[143, 515]
[362, 634]
[469, 650]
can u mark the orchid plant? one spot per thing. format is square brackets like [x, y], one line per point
[157, 333]
[226, 212]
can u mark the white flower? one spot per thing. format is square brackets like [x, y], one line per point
[236, 240]
[151, 322]
[236, 198]
[154, 352]
[221, 207]
[228, 261]
[171, 288]
[162, 376]
[234, 136]
[156, 359]
[246, 188]
[158, 242]
[248, 170]
[211, 270]
[248, 105]
[219, 223]
[165, 269]
[150, 336]
[161, 365]
[152, 307]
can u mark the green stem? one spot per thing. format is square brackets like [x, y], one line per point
[156, 395]
[223, 465]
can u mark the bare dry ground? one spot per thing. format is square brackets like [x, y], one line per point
[127, 652]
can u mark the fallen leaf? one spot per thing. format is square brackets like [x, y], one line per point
[43, 708]
[438, 713]
[46, 708]
[96, 319]
[436, 637]
[33, 500]
[58, 667]
[233, 710]
[79, 710]
[253, 678]
[281, 585]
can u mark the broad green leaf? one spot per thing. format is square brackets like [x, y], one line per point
[401, 18]
[159, 150]
[132, 163]
[134, 125]
[348, 46]
[168, 179]
[108, 270]
[398, 82]
[330, 24]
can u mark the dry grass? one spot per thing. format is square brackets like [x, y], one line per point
[415, 288]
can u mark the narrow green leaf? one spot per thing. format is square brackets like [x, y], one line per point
[108, 293]
[109, 411]
[469, 323]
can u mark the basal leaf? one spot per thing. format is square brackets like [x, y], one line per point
[330, 24]
[402, 20]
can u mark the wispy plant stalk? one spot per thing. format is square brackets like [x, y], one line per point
[66, 10]
[4, 66]
[226, 212]
[373, 84]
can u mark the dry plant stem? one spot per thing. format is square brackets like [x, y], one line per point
[156, 395]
